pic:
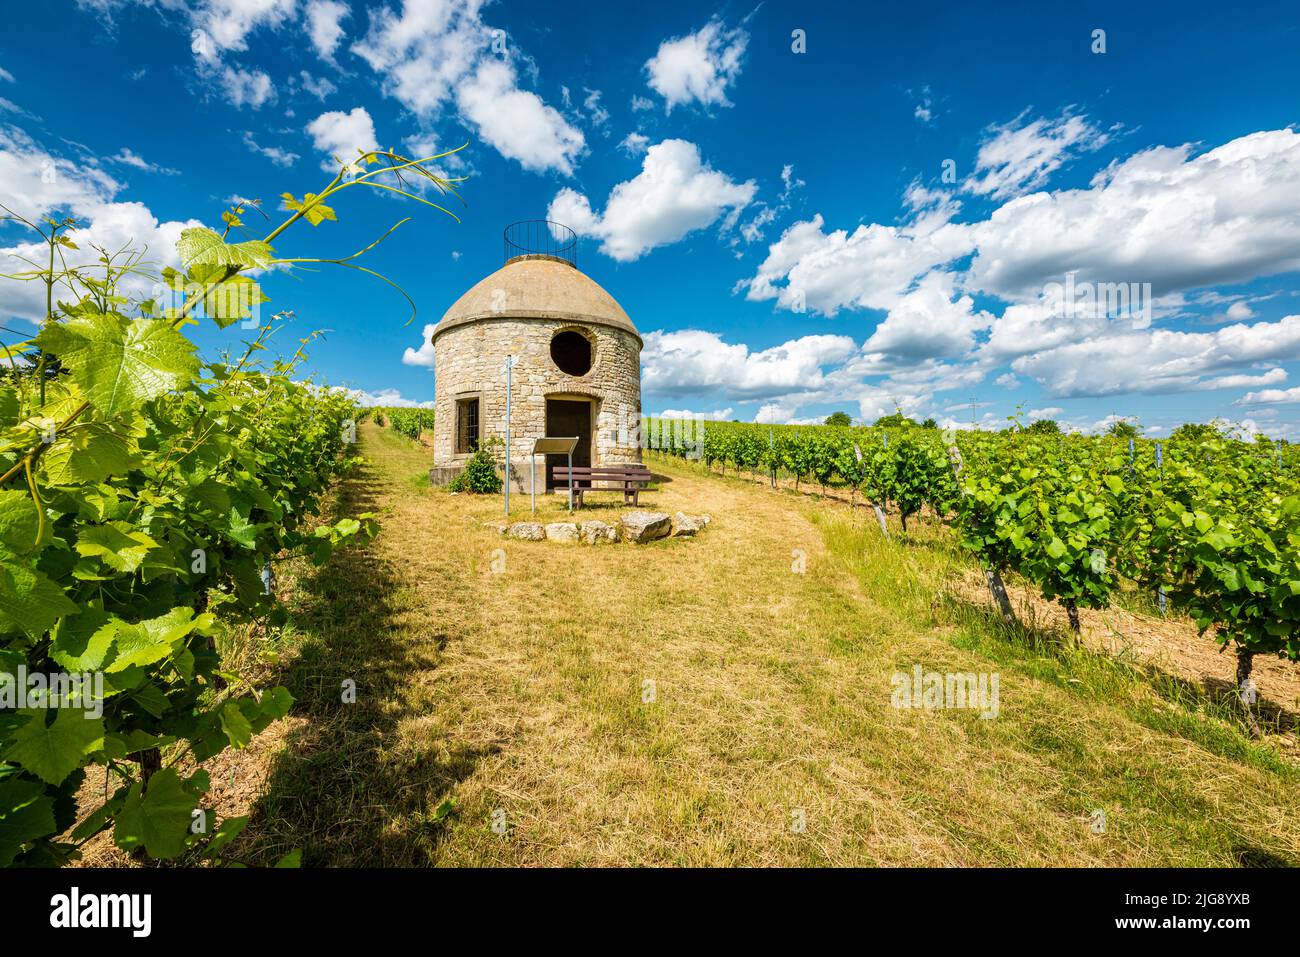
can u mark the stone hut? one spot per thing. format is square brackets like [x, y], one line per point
[577, 363]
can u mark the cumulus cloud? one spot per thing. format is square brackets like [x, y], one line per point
[717, 415]
[1160, 360]
[1162, 216]
[517, 122]
[224, 25]
[1270, 396]
[699, 66]
[928, 322]
[675, 194]
[873, 267]
[250, 88]
[325, 25]
[693, 361]
[339, 135]
[432, 55]
[34, 183]
[385, 398]
[422, 356]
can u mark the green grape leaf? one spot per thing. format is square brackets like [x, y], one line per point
[235, 725]
[121, 364]
[19, 520]
[159, 819]
[148, 641]
[53, 751]
[82, 642]
[200, 246]
[25, 814]
[315, 213]
[116, 544]
[87, 456]
[230, 829]
[29, 601]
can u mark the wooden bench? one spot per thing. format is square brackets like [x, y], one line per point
[630, 478]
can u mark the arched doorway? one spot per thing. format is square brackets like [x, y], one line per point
[570, 415]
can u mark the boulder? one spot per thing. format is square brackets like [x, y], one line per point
[593, 532]
[645, 526]
[562, 532]
[528, 531]
[684, 524]
[498, 527]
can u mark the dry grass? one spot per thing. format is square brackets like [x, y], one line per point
[520, 694]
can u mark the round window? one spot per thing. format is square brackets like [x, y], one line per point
[571, 351]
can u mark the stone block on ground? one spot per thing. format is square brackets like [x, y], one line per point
[685, 525]
[593, 532]
[562, 532]
[645, 526]
[528, 531]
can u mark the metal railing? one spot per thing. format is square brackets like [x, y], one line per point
[541, 239]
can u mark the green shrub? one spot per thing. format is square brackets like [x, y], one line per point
[480, 475]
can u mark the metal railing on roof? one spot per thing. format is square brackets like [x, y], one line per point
[541, 239]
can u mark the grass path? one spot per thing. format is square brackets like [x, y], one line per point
[506, 681]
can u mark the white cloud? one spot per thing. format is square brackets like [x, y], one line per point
[789, 182]
[1160, 360]
[1008, 381]
[6, 75]
[339, 135]
[694, 361]
[384, 397]
[226, 24]
[1161, 216]
[434, 54]
[699, 66]
[1240, 311]
[280, 157]
[246, 87]
[1270, 396]
[34, 183]
[634, 144]
[598, 114]
[873, 267]
[641, 103]
[318, 87]
[325, 25]
[517, 122]
[675, 194]
[927, 323]
[127, 157]
[1051, 412]
[717, 415]
[423, 356]
[1018, 157]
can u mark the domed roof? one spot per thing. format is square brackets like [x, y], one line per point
[540, 287]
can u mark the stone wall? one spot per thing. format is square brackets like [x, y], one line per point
[469, 359]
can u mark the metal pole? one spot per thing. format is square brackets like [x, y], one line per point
[509, 366]
[532, 481]
[570, 480]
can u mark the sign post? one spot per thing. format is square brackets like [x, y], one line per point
[510, 363]
[553, 446]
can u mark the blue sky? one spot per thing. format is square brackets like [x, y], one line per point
[778, 224]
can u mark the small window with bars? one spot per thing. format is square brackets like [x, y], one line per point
[467, 434]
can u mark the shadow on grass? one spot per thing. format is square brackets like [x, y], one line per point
[338, 791]
[1053, 655]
